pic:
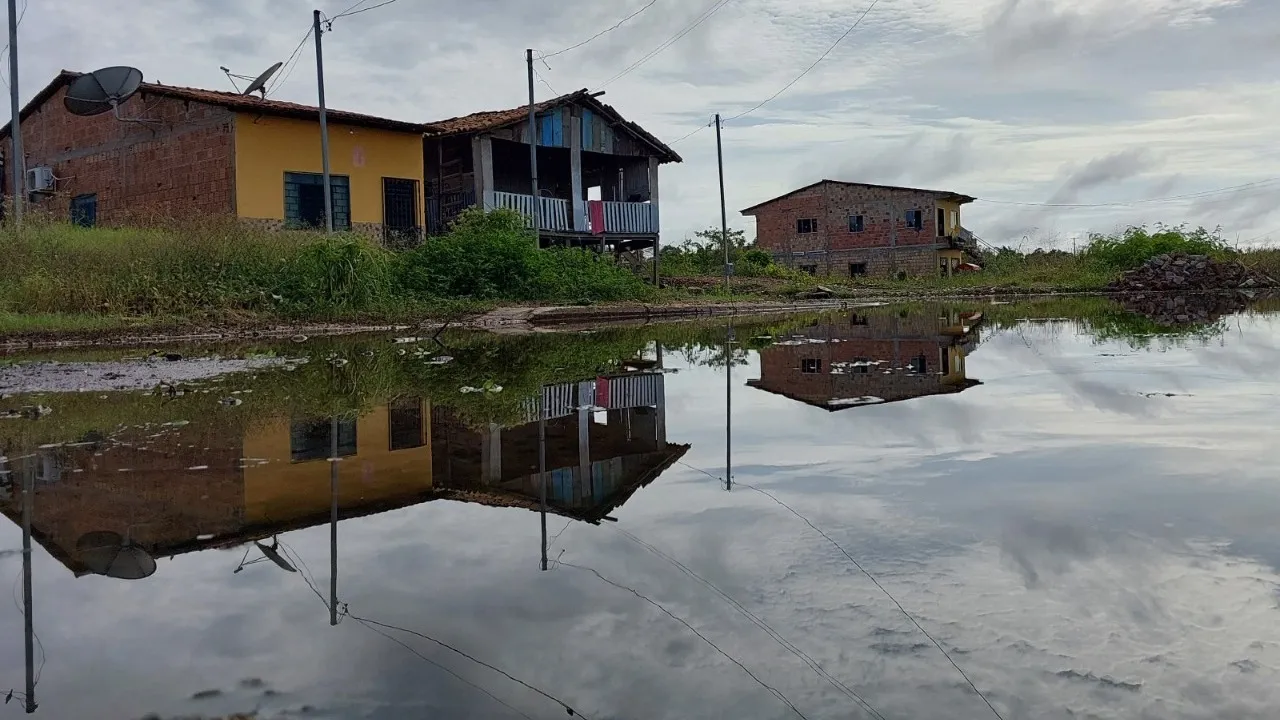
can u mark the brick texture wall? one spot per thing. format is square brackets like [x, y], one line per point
[181, 166]
[887, 244]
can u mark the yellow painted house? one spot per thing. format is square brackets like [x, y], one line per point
[177, 152]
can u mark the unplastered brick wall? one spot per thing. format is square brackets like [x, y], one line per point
[180, 163]
[885, 241]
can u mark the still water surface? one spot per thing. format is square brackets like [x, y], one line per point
[1083, 516]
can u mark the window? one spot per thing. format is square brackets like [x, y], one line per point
[807, 225]
[856, 269]
[811, 366]
[406, 422]
[915, 219]
[304, 200]
[857, 223]
[313, 439]
[862, 366]
[942, 222]
[920, 364]
[856, 319]
[84, 210]
[811, 269]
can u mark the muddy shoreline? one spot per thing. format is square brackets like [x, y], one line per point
[518, 319]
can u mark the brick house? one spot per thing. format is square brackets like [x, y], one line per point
[871, 359]
[851, 229]
[185, 152]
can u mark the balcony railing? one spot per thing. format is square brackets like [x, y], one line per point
[607, 393]
[554, 213]
[625, 217]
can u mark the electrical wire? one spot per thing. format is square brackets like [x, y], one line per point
[290, 63]
[695, 132]
[714, 8]
[610, 29]
[567, 707]
[869, 576]
[5, 76]
[774, 691]
[756, 620]
[882, 589]
[809, 69]
[1130, 203]
[349, 12]
[544, 82]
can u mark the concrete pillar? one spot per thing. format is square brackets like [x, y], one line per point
[579, 205]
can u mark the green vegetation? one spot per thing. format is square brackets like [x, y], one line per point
[703, 254]
[1136, 245]
[219, 270]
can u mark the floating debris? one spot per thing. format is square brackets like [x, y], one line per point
[231, 401]
[299, 338]
[198, 467]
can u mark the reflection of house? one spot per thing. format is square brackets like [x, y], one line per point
[204, 486]
[854, 360]
[851, 229]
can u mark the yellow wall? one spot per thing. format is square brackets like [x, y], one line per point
[267, 147]
[280, 490]
[949, 208]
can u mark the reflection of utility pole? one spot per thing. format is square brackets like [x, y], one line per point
[28, 498]
[333, 520]
[728, 407]
[542, 469]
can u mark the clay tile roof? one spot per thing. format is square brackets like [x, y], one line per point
[941, 194]
[494, 119]
[231, 101]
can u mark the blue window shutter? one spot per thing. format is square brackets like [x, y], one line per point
[559, 127]
[588, 118]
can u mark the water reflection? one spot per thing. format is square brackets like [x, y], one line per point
[1074, 558]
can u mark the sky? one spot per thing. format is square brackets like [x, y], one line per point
[1068, 102]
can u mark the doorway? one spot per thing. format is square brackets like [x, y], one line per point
[942, 222]
[399, 212]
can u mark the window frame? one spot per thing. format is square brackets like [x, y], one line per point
[813, 226]
[915, 220]
[857, 223]
[854, 273]
[816, 366]
[88, 198]
[339, 197]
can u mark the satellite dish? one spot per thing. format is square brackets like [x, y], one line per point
[102, 90]
[107, 553]
[260, 82]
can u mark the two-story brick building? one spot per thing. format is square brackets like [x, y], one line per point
[851, 229]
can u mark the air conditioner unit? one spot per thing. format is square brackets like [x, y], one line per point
[40, 179]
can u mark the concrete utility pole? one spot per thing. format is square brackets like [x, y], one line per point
[542, 469]
[724, 219]
[28, 499]
[728, 407]
[333, 520]
[324, 123]
[533, 153]
[18, 161]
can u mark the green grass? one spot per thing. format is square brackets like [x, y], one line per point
[24, 323]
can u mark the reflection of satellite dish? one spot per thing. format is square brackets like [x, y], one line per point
[260, 82]
[102, 90]
[107, 553]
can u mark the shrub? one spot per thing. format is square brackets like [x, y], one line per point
[1136, 245]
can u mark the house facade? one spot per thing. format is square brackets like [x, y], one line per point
[853, 229]
[597, 172]
[185, 152]
[870, 359]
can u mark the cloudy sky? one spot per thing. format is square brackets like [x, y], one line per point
[1069, 102]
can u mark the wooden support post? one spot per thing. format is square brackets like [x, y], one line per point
[653, 200]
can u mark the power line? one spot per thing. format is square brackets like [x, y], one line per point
[809, 69]
[291, 62]
[875, 582]
[755, 619]
[772, 690]
[349, 11]
[695, 132]
[715, 7]
[1130, 203]
[610, 29]
[18, 24]
[544, 82]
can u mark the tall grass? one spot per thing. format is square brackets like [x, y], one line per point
[1136, 245]
[222, 268]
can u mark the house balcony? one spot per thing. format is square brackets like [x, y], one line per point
[557, 215]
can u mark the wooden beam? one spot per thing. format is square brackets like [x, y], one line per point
[575, 171]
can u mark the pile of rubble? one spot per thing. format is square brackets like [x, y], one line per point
[1189, 273]
[1191, 309]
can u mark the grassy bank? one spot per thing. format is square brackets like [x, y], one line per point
[61, 277]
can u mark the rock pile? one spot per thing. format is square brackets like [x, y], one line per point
[1189, 273]
[1192, 309]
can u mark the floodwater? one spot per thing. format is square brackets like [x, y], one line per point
[1078, 505]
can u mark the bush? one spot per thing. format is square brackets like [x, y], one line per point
[494, 256]
[1136, 245]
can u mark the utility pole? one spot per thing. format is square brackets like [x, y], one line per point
[724, 220]
[324, 123]
[533, 157]
[18, 161]
[542, 468]
[28, 498]
[728, 407]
